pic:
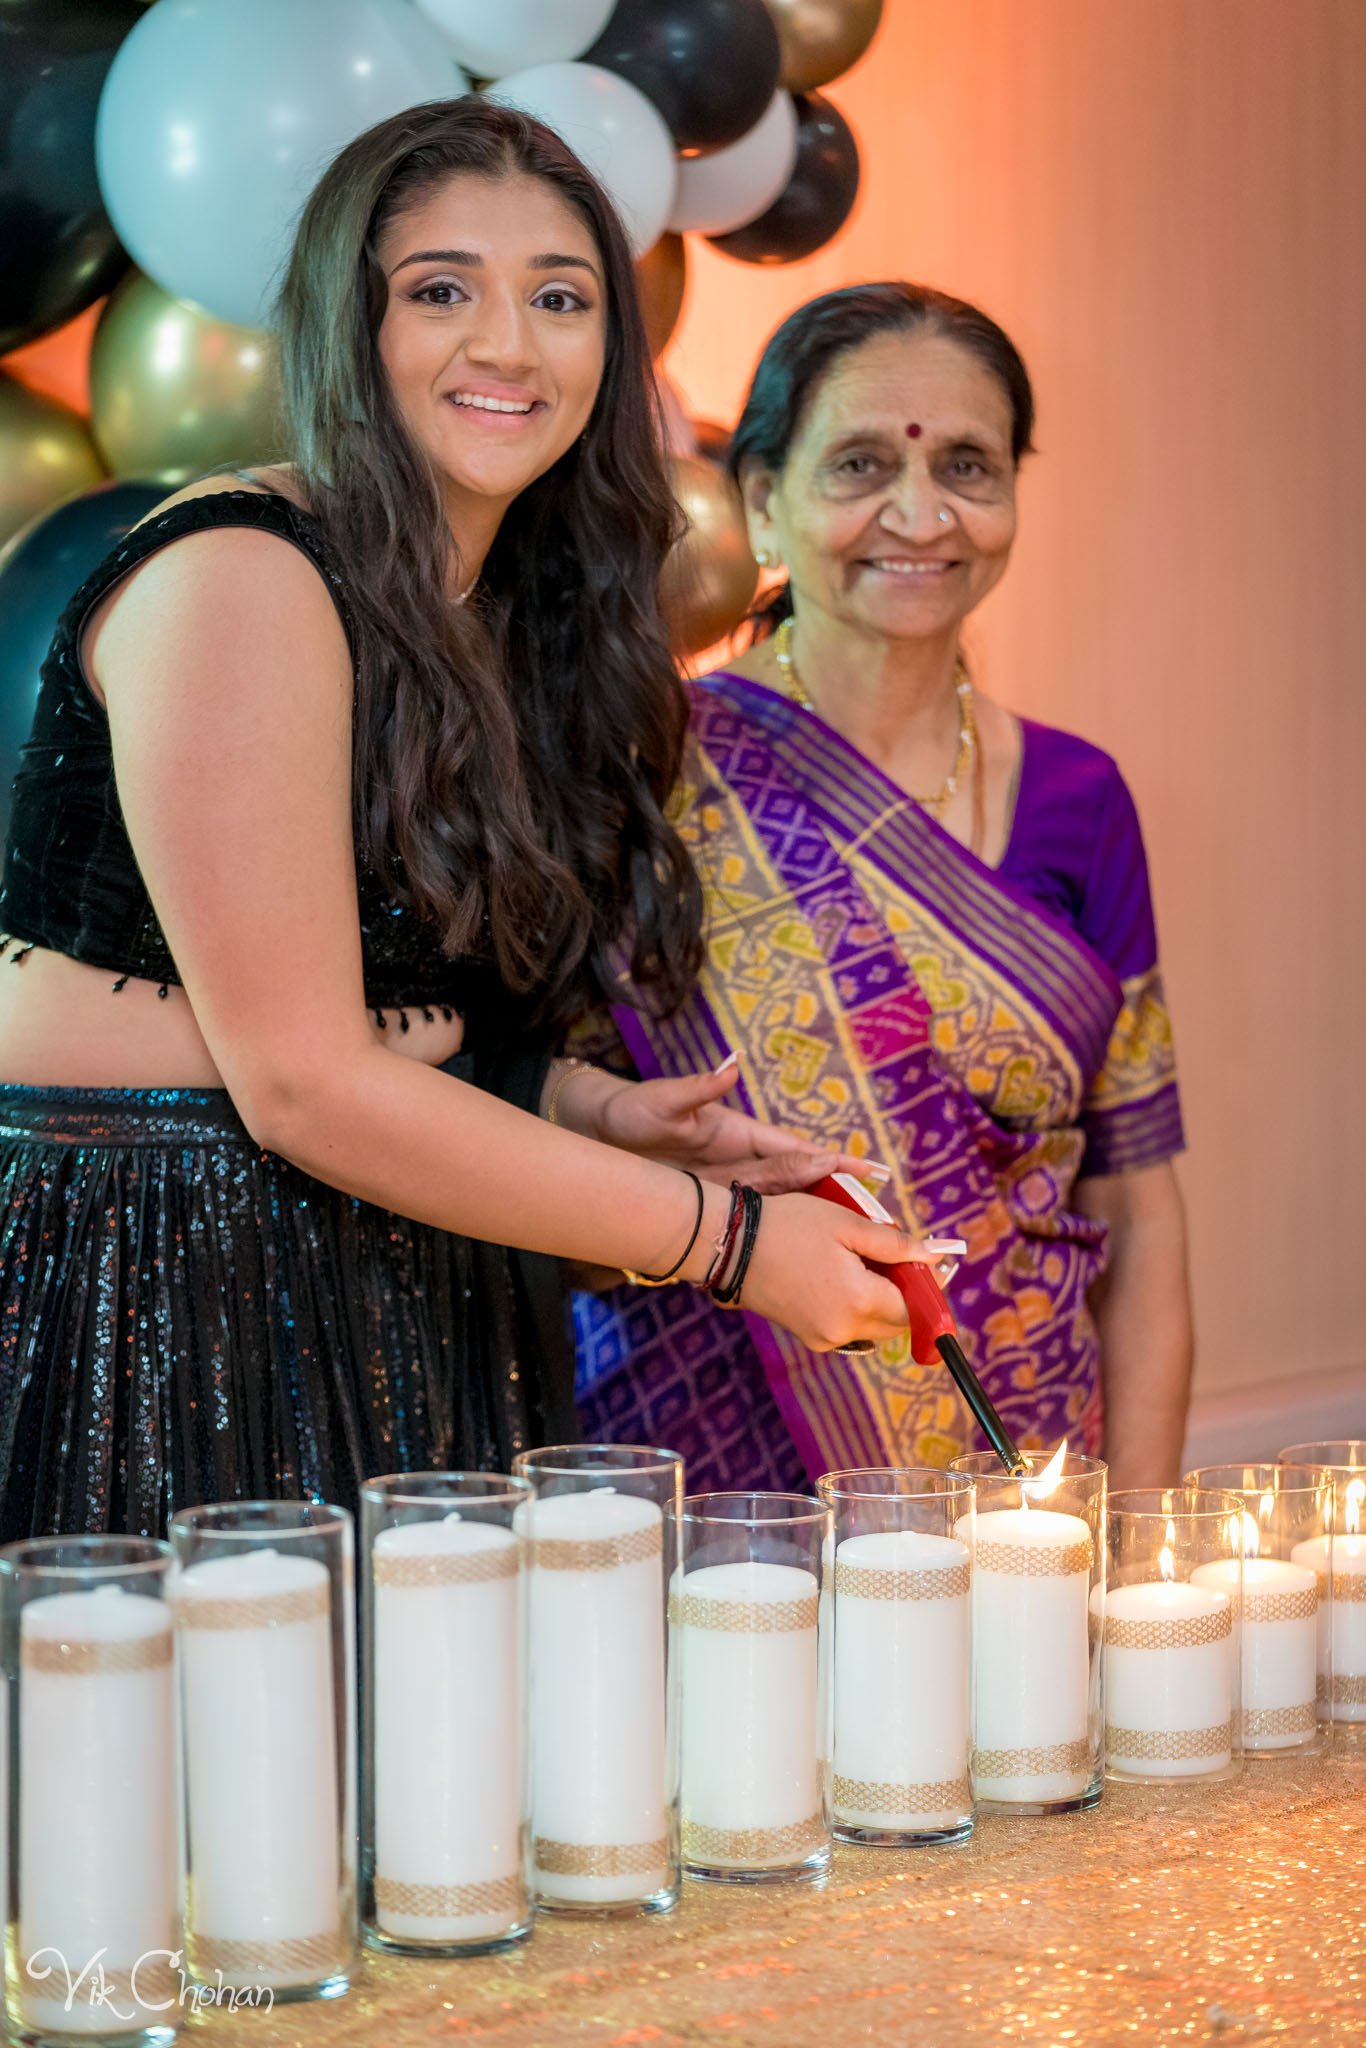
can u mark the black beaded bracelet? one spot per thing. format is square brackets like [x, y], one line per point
[728, 1288]
[663, 1279]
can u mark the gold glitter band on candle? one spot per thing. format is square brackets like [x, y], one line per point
[1156, 1745]
[445, 1901]
[600, 1554]
[753, 1845]
[153, 1985]
[443, 1569]
[744, 1617]
[1178, 1632]
[1343, 1690]
[1346, 1586]
[600, 1859]
[308, 1959]
[1046, 1762]
[1263, 1721]
[865, 1583]
[1258, 1607]
[1036, 1561]
[80, 1660]
[271, 1610]
[861, 1795]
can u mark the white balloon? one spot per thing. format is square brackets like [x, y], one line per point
[733, 186]
[218, 117]
[615, 130]
[493, 37]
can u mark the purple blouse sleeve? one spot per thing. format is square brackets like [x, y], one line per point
[1132, 1113]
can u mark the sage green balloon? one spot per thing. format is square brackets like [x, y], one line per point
[174, 392]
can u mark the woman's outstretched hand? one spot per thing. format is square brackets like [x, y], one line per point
[687, 1123]
[812, 1272]
[811, 1269]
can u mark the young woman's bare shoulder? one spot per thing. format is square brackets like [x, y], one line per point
[227, 588]
[277, 479]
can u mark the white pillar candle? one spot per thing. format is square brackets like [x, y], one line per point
[598, 1793]
[1031, 1656]
[448, 1731]
[1273, 1645]
[901, 1681]
[1342, 1623]
[261, 1783]
[750, 1715]
[98, 1863]
[1169, 1679]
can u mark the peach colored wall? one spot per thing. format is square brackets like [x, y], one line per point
[1165, 203]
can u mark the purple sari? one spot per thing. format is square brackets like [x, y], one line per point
[989, 1034]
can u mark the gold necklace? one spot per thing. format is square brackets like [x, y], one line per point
[937, 804]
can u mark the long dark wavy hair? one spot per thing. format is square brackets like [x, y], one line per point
[512, 755]
[802, 352]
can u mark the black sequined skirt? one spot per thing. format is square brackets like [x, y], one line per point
[184, 1318]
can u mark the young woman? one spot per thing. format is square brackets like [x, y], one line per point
[930, 930]
[345, 777]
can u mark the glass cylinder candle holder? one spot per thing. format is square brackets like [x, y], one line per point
[1337, 1556]
[443, 1819]
[1275, 1631]
[899, 1655]
[265, 1620]
[1039, 1564]
[89, 1859]
[1335, 1454]
[600, 1531]
[1172, 1679]
[745, 1616]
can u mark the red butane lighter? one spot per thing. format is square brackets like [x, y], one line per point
[934, 1334]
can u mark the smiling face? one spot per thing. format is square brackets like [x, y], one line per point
[493, 337]
[855, 511]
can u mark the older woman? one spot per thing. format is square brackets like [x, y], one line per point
[930, 937]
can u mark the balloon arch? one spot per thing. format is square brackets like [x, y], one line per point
[154, 157]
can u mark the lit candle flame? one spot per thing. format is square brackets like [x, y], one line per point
[1243, 1534]
[1166, 1562]
[1040, 1488]
[1356, 1494]
[1266, 1508]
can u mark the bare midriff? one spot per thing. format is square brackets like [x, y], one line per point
[62, 1026]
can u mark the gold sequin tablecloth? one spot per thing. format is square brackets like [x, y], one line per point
[1232, 1914]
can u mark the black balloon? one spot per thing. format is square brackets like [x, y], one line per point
[816, 201]
[58, 252]
[709, 66]
[39, 571]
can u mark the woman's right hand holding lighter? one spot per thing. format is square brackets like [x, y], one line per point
[810, 1271]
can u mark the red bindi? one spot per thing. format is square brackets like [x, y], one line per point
[913, 431]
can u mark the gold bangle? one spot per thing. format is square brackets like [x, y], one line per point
[566, 1073]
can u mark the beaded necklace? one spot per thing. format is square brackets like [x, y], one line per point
[967, 747]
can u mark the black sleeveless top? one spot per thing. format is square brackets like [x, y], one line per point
[71, 882]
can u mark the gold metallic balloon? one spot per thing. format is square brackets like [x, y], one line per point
[713, 440]
[821, 38]
[710, 576]
[174, 392]
[46, 455]
[661, 278]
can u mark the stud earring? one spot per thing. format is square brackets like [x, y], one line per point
[944, 517]
[763, 557]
